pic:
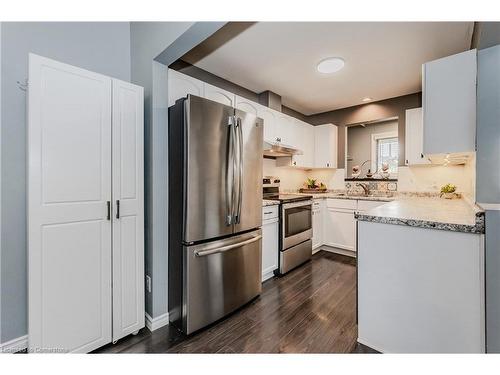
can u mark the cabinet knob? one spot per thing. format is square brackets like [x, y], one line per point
[327, 164]
[422, 156]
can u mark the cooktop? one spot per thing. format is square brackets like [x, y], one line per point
[288, 197]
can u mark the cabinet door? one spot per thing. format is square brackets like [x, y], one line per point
[325, 146]
[265, 113]
[69, 186]
[269, 248]
[305, 142]
[287, 131]
[180, 85]
[317, 222]
[219, 95]
[270, 120]
[449, 104]
[340, 229]
[128, 209]
[414, 138]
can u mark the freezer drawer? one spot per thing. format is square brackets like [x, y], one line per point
[219, 277]
[295, 256]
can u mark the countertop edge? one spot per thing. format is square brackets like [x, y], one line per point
[477, 228]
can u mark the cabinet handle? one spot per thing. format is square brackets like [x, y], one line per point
[268, 213]
[422, 156]
[327, 164]
[117, 209]
[108, 216]
[294, 163]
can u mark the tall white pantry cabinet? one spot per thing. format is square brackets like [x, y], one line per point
[85, 208]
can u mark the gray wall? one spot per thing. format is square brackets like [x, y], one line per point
[148, 40]
[359, 143]
[488, 181]
[393, 107]
[100, 47]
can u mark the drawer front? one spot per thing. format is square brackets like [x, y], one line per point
[348, 204]
[270, 212]
[317, 204]
[368, 205]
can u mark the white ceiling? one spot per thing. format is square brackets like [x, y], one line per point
[382, 59]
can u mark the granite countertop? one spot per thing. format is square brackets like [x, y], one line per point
[457, 215]
[379, 198]
[268, 202]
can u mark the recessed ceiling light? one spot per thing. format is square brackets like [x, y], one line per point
[330, 65]
[367, 99]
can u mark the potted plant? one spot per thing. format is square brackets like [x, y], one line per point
[448, 191]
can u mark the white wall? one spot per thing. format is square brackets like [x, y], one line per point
[431, 178]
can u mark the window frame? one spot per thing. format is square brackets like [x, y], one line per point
[374, 152]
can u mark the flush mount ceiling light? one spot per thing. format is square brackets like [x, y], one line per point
[330, 65]
[367, 99]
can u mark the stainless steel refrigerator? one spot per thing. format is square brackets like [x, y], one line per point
[215, 211]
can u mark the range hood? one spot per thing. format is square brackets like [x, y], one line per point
[279, 149]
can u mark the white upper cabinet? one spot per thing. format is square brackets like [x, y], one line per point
[180, 85]
[287, 130]
[449, 103]
[219, 95]
[267, 114]
[305, 142]
[414, 138]
[325, 146]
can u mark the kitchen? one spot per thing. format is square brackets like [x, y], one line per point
[331, 193]
[300, 220]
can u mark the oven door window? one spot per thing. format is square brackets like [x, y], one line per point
[297, 220]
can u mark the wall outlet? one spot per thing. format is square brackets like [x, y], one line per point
[148, 283]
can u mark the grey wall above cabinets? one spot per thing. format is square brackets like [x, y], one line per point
[393, 107]
[102, 47]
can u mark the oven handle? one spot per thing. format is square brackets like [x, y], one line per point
[228, 247]
[297, 204]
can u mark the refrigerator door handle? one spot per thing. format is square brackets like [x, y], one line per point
[240, 169]
[230, 173]
[223, 249]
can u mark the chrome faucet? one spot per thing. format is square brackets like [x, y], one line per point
[365, 187]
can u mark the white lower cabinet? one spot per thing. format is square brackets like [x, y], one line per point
[270, 233]
[340, 228]
[334, 224]
[317, 223]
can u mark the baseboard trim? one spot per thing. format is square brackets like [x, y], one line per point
[14, 345]
[155, 323]
[337, 250]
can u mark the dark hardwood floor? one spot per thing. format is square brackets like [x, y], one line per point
[310, 310]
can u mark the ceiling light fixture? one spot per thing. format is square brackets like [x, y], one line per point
[330, 65]
[367, 99]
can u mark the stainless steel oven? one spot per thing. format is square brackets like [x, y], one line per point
[296, 223]
[296, 234]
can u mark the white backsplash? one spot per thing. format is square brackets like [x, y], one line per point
[410, 179]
